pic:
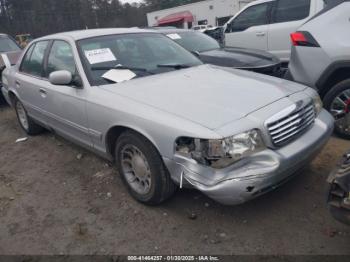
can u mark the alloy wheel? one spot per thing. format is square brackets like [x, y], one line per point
[340, 109]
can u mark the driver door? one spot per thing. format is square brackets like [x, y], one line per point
[66, 104]
[250, 28]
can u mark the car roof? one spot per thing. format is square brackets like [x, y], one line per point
[83, 34]
[257, 2]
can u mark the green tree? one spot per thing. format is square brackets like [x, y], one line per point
[42, 17]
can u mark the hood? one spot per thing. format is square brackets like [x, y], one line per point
[238, 58]
[207, 95]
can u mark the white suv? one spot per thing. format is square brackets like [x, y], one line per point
[267, 24]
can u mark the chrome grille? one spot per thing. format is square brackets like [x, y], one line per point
[290, 126]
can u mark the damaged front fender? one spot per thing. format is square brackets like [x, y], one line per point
[339, 191]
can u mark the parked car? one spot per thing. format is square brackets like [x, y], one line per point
[217, 33]
[209, 51]
[202, 28]
[136, 97]
[321, 59]
[267, 24]
[9, 54]
[339, 190]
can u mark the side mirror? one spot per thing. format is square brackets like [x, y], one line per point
[61, 78]
[228, 27]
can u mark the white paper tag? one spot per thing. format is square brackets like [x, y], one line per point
[6, 60]
[119, 75]
[174, 36]
[100, 55]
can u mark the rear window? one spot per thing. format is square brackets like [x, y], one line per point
[195, 41]
[291, 10]
[328, 5]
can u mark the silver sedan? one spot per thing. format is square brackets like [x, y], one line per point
[167, 120]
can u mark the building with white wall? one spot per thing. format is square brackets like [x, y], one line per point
[208, 12]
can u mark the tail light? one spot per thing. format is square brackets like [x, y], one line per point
[302, 38]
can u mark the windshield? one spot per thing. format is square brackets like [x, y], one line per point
[195, 41]
[8, 45]
[144, 54]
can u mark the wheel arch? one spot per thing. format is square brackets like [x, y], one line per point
[114, 133]
[12, 96]
[335, 73]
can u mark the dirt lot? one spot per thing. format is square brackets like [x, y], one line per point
[56, 198]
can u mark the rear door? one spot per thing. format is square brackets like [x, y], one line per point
[30, 81]
[250, 28]
[287, 16]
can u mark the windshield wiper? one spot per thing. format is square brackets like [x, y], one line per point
[120, 67]
[175, 66]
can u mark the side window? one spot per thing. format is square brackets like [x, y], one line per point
[252, 16]
[33, 61]
[291, 10]
[26, 60]
[61, 58]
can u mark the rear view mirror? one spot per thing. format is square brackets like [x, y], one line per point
[63, 77]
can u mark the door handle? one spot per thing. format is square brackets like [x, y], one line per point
[18, 84]
[260, 34]
[42, 91]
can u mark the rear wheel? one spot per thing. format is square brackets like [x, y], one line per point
[142, 169]
[25, 121]
[337, 102]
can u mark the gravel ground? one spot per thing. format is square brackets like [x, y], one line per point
[56, 198]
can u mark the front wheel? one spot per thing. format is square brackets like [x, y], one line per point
[337, 102]
[142, 169]
[25, 121]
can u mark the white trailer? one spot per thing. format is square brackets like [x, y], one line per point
[208, 12]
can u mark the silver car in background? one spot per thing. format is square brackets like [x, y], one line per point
[9, 54]
[321, 59]
[138, 98]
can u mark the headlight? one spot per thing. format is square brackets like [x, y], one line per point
[317, 104]
[220, 153]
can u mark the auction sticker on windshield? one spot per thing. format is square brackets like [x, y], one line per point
[97, 56]
[174, 36]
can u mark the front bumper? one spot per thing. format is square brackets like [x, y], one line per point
[258, 174]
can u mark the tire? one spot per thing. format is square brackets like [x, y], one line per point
[342, 216]
[339, 213]
[25, 121]
[332, 94]
[142, 169]
[2, 99]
